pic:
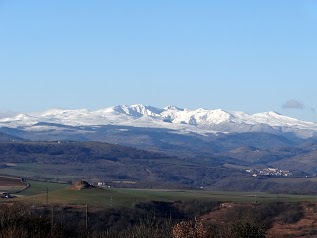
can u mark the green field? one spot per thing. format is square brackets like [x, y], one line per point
[38, 187]
[52, 171]
[115, 197]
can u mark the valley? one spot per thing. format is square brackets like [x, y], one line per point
[169, 168]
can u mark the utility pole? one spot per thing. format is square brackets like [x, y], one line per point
[52, 221]
[47, 196]
[110, 202]
[61, 230]
[86, 217]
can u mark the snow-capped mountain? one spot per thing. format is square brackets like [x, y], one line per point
[201, 121]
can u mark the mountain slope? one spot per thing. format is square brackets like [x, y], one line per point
[115, 164]
[6, 137]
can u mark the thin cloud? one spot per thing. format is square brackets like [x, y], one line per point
[293, 104]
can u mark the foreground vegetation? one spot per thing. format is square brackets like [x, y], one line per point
[179, 219]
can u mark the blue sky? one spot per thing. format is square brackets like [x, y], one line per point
[252, 56]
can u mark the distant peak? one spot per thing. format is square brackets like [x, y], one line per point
[269, 113]
[221, 110]
[137, 110]
[57, 111]
[22, 116]
[172, 107]
[133, 106]
[274, 113]
[138, 106]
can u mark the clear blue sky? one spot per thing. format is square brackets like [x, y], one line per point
[252, 56]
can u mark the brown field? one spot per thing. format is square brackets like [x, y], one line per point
[11, 181]
[11, 184]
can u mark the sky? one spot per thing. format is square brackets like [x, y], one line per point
[246, 55]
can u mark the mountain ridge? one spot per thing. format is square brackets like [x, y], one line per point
[200, 121]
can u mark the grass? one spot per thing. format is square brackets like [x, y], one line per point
[53, 171]
[38, 187]
[115, 197]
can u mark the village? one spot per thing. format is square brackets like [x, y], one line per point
[269, 172]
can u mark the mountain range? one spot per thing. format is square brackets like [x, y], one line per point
[181, 121]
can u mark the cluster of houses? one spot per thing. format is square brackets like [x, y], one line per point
[269, 172]
[103, 185]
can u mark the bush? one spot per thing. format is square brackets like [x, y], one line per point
[248, 230]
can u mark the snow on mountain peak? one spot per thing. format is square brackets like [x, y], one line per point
[276, 119]
[173, 108]
[269, 114]
[21, 117]
[172, 117]
[61, 112]
[138, 110]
